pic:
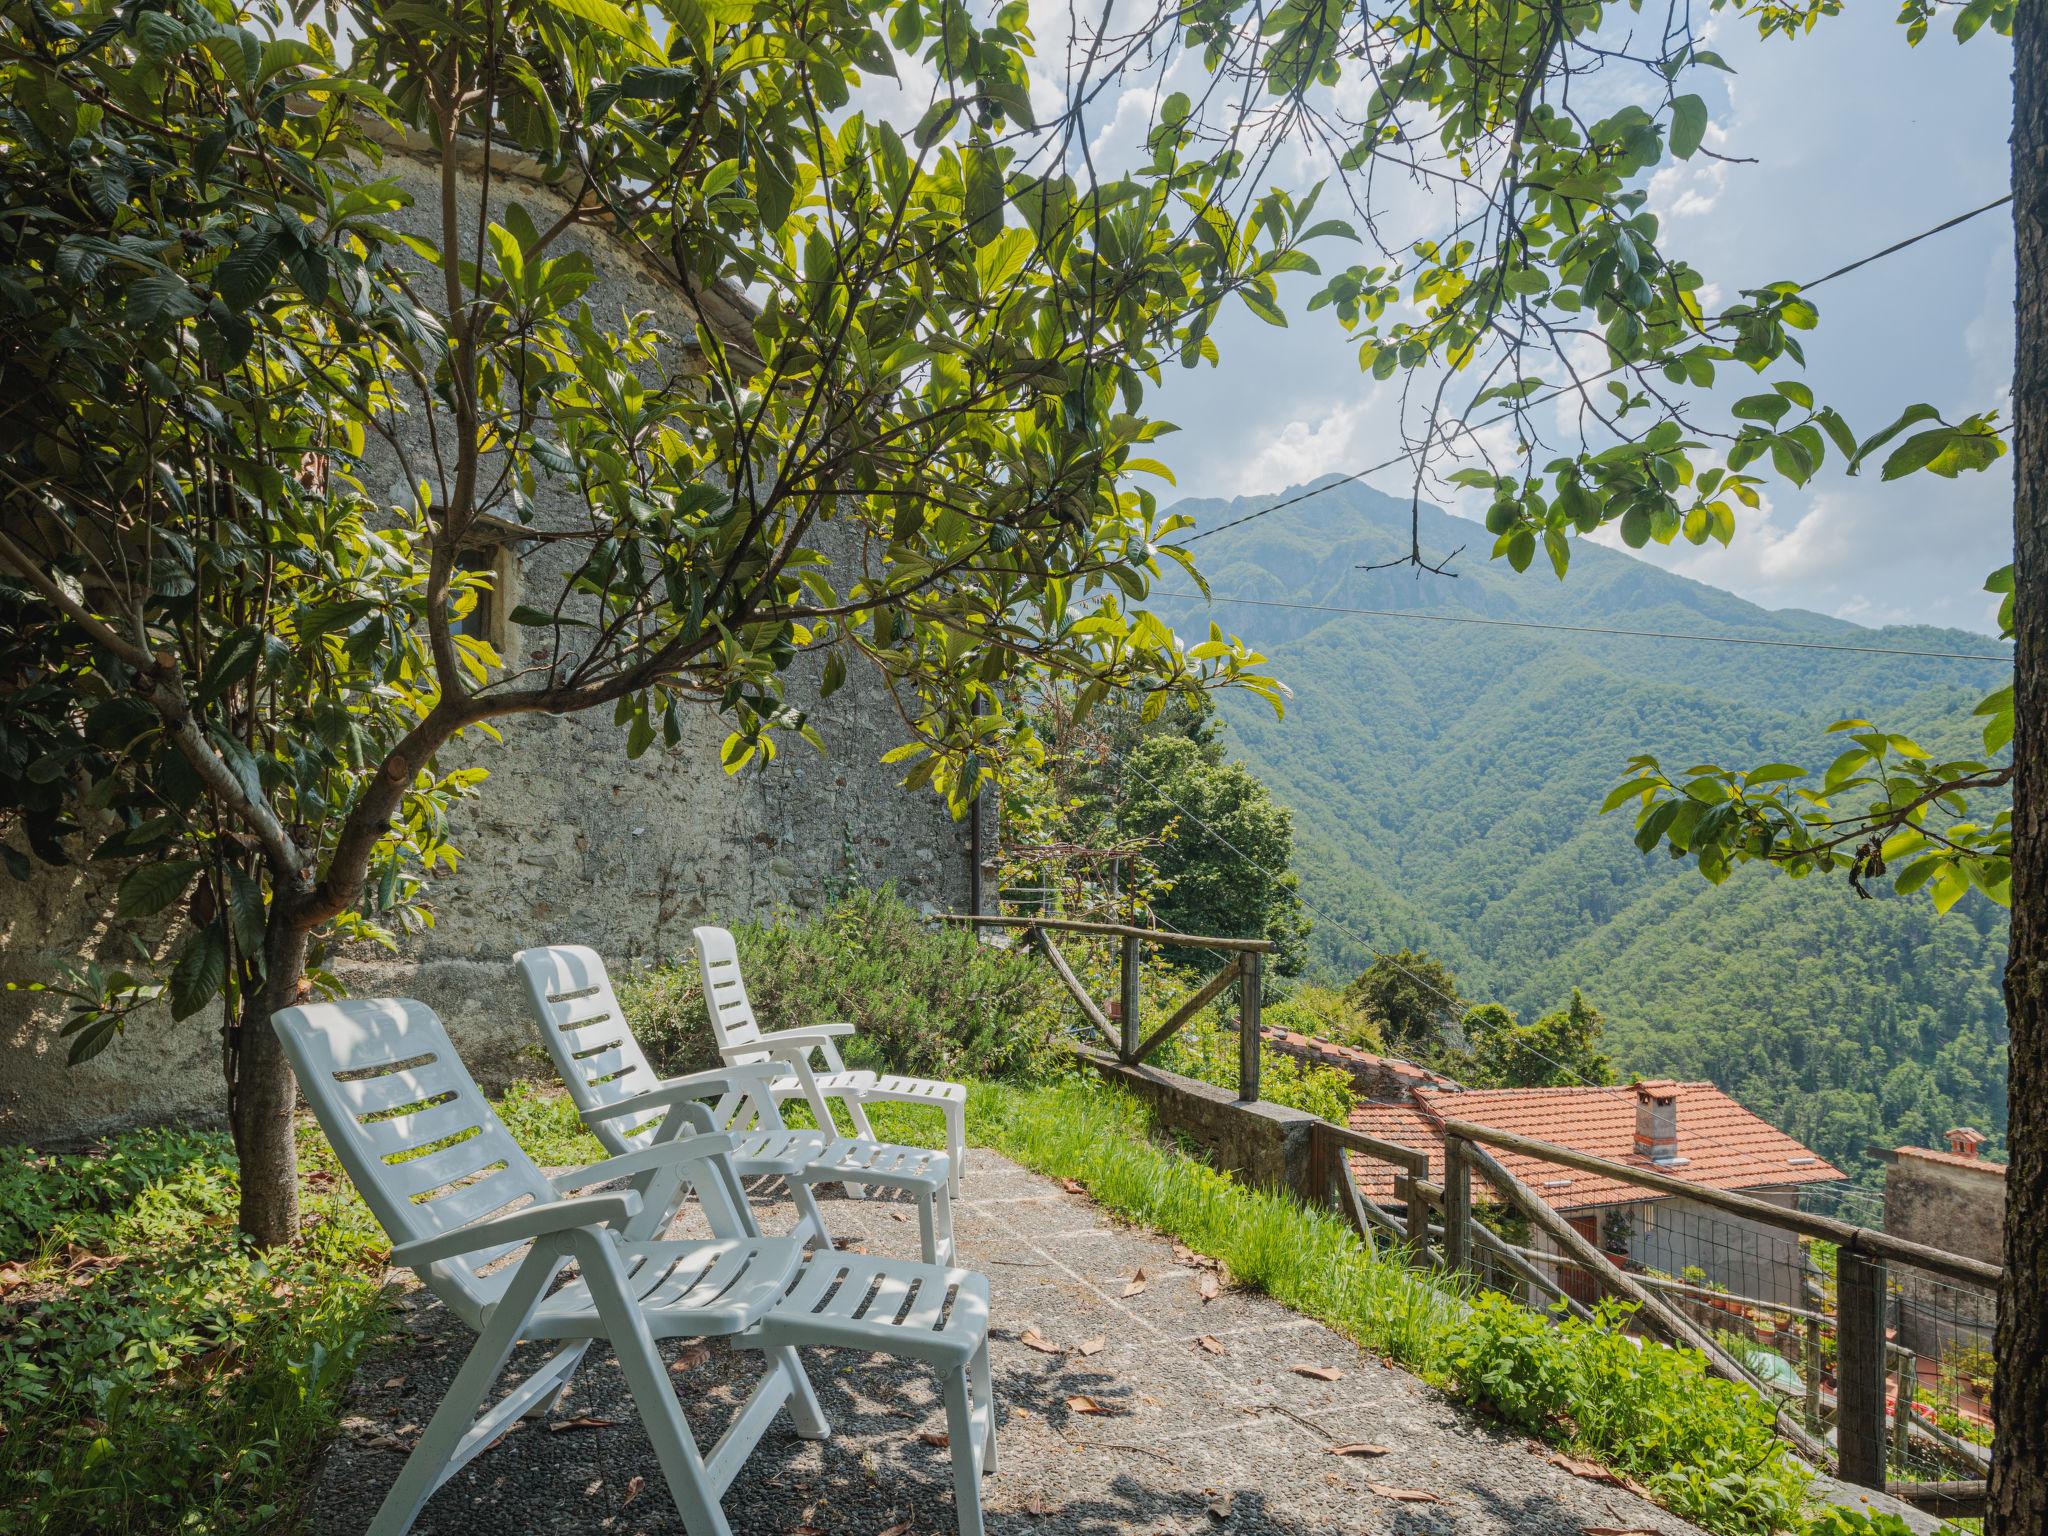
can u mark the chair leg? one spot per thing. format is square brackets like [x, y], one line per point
[960, 1433]
[928, 1227]
[808, 1215]
[546, 1405]
[675, 1448]
[440, 1444]
[948, 1249]
[956, 1146]
[984, 1388]
[805, 1411]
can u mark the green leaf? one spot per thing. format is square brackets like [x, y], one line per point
[150, 888]
[201, 969]
[1688, 126]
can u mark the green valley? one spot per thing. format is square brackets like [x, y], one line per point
[1446, 777]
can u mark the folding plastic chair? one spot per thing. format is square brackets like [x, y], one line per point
[493, 1238]
[742, 1041]
[625, 1104]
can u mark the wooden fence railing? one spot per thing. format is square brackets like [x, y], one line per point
[1444, 1213]
[1245, 967]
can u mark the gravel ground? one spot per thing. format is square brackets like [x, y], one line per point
[1236, 1443]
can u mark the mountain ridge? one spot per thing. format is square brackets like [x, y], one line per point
[1445, 780]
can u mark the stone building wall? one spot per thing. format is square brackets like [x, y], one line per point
[567, 842]
[1958, 1204]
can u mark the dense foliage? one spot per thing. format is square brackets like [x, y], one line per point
[259, 420]
[158, 1373]
[1411, 999]
[926, 998]
[1555, 1051]
[1466, 831]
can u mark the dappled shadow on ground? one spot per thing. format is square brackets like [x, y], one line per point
[1114, 1416]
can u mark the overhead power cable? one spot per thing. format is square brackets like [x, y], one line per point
[1407, 455]
[1593, 629]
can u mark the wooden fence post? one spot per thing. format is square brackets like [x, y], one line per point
[1418, 1217]
[1127, 998]
[1860, 1368]
[1248, 1004]
[1457, 1205]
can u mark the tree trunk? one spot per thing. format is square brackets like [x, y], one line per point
[2019, 1455]
[266, 1094]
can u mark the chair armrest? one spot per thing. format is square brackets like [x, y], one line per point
[808, 1037]
[538, 1220]
[663, 1154]
[672, 1091]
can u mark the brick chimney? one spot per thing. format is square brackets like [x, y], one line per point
[1964, 1142]
[1657, 1122]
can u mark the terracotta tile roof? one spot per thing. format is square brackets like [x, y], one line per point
[1339, 1054]
[1725, 1146]
[1951, 1159]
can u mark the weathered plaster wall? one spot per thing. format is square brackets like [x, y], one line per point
[1937, 1199]
[567, 842]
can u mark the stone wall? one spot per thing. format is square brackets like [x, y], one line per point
[1267, 1145]
[568, 841]
[1957, 1204]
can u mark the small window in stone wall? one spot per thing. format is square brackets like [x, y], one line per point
[489, 599]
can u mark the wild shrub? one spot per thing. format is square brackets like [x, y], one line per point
[924, 998]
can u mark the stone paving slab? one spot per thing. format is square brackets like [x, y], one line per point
[1199, 1445]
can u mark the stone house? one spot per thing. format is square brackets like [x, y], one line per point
[568, 842]
[1693, 1131]
[1953, 1200]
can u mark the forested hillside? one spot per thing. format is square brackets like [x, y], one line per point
[1446, 779]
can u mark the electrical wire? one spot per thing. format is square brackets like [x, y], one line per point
[1343, 928]
[1592, 629]
[1407, 455]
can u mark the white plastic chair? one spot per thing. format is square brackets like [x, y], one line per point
[460, 1199]
[742, 1041]
[627, 1106]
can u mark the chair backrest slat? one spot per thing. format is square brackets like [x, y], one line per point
[725, 993]
[386, 1085]
[603, 1066]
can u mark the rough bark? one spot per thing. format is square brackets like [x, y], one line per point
[2019, 1460]
[266, 1093]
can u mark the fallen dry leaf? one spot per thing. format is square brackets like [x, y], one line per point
[581, 1421]
[1219, 1507]
[1092, 1346]
[1405, 1495]
[1319, 1372]
[1358, 1448]
[1211, 1343]
[1081, 1402]
[1073, 1186]
[692, 1356]
[1207, 1285]
[633, 1488]
[804, 1530]
[1137, 1284]
[1034, 1505]
[901, 1528]
[936, 1438]
[1031, 1338]
[1591, 1471]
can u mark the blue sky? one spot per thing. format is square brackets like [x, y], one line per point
[1858, 141]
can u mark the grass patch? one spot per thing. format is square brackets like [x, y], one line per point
[1701, 1446]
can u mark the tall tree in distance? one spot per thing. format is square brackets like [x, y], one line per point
[1559, 1050]
[1413, 997]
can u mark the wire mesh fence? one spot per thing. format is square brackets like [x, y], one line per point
[1910, 1408]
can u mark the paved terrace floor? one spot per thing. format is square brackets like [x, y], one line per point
[1235, 1443]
